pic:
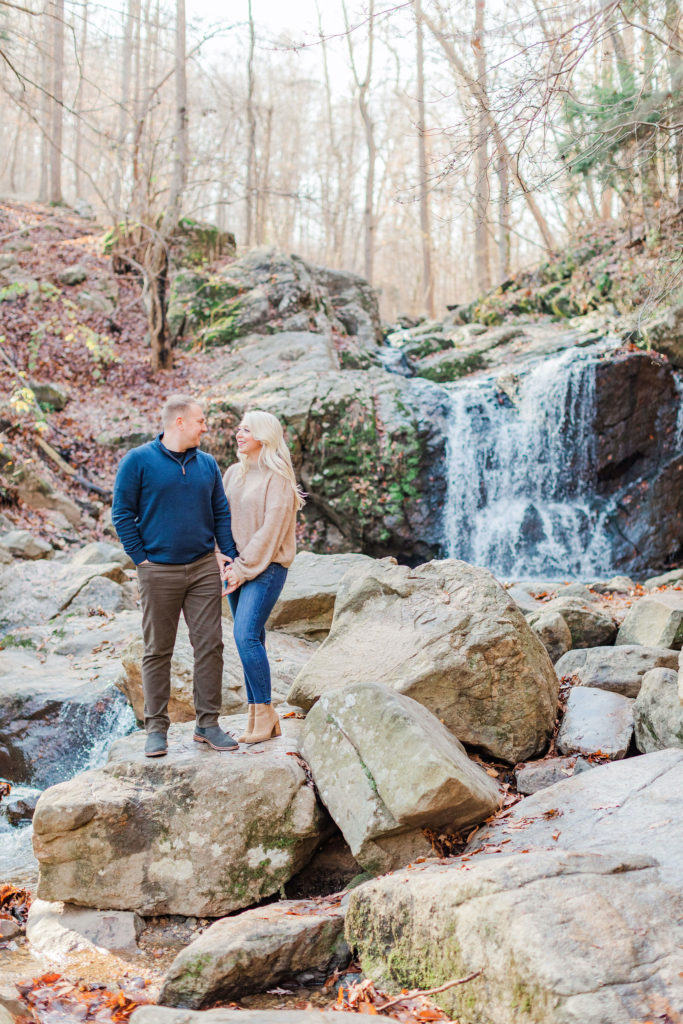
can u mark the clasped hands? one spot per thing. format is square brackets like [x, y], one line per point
[227, 574]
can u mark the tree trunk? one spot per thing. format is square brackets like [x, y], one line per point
[78, 101]
[425, 212]
[503, 219]
[156, 272]
[251, 135]
[500, 144]
[57, 99]
[179, 178]
[481, 158]
[675, 68]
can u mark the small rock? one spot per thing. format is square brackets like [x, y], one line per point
[59, 928]
[533, 777]
[617, 585]
[667, 579]
[657, 712]
[596, 720]
[619, 669]
[22, 544]
[588, 626]
[51, 394]
[256, 950]
[7, 260]
[553, 632]
[577, 590]
[82, 208]
[8, 928]
[100, 551]
[75, 274]
[655, 621]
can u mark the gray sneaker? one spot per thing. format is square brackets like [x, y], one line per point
[156, 745]
[215, 737]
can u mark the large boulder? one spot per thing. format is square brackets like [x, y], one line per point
[386, 768]
[596, 721]
[197, 832]
[254, 951]
[657, 712]
[447, 635]
[266, 290]
[287, 656]
[619, 669]
[306, 604]
[530, 930]
[655, 621]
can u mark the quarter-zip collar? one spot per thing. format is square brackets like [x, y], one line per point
[189, 453]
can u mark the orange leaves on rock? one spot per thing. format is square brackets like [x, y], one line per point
[14, 902]
[409, 1007]
[56, 1000]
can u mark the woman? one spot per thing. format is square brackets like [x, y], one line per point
[264, 498]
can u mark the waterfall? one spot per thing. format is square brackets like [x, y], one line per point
[519, 465]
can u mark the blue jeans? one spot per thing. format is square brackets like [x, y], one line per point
[251, 604]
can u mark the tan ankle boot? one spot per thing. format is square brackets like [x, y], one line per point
[250, 726]
[266, 724]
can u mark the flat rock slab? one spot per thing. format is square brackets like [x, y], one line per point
[655, 621]
[254, 951]
[386, 768]
[198, 832]
[533, 777]
[619, 669]
[37, 591]
[60, 928]
[287, 656]
[632, 805]
[164, 1015]
[306, 604]
[449, 636]
[658, 713]
[596, 721]
[559, 937]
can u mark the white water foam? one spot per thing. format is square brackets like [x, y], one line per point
[519, 500]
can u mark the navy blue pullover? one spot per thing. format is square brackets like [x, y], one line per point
[170, 506]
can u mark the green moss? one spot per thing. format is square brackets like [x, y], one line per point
[10, 640]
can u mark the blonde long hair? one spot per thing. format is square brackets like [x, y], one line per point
[274, 453]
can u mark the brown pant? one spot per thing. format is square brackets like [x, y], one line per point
[165, 591]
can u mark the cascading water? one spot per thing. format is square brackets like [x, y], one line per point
[17, 863]
[518, 494]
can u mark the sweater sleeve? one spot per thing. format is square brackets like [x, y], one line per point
[259, 552]
[126, 507]
[221, 518]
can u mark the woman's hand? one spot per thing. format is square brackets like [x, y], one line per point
[230, 580]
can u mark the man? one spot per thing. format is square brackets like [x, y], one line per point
[170, 512]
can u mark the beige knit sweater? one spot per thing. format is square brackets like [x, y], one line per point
[263, 516]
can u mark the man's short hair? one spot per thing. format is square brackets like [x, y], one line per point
[176, 405]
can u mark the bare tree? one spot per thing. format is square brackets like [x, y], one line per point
[423, 171]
